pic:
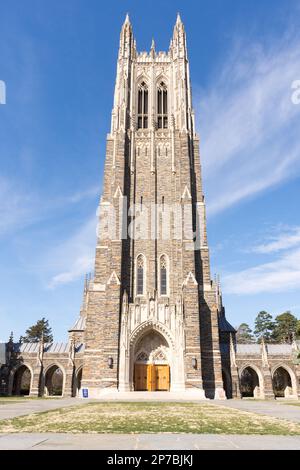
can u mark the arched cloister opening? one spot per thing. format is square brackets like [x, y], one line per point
[54, 379]
[283, 385]
[250, 383]
[22, 381]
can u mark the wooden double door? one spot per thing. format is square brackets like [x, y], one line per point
[151, 377]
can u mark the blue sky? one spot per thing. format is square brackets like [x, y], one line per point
[58, 60]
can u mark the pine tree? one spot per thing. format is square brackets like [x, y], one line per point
[264, 326]
[285, 327]
[244, 334]
[35, 332]
[298, 330]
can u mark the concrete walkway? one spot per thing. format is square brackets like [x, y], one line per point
[53, 441]
[26, 406]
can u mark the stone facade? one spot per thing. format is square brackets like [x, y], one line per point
[152, 161]
[151, 300]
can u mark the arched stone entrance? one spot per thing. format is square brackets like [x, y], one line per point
[152, 342]
[22, 381]
[54, 381]
[151, 363]
[284, 383]
[250, 383]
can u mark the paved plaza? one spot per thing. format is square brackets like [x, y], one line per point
[54, 441]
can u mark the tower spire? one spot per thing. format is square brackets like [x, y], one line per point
[152, 50]
[178, 19]
[179, 39]
[126, 39]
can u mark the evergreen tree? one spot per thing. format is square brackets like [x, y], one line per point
[285, 327]
[264, 326]
[244, 334]
[35, 332]
[298, 330]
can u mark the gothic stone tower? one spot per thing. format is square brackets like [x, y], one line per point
[152, 309]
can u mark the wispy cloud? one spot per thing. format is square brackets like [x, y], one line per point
[74, 256]
[282, 241]
[17, 207]
[86, 193]
[21, 206]
[248, 124]
[277, 276]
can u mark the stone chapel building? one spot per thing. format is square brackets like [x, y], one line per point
[152, 318]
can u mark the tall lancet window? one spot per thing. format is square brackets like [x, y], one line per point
[142, 119]
[162, 106]
[140, 273]
[163, 276]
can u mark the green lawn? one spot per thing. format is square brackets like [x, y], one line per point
[22, 399]
[8, 400]
[150, 417]
[292, 403]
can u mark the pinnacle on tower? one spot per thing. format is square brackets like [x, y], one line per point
[179, 41]
[126, 38]
[127, 20]
[178, 19]
[152, 50]
[127, 24]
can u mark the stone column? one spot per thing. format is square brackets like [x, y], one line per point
[193, 365]
[267, 391]
[69, 382]
[37, 382]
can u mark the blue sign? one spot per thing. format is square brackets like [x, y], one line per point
[85, 393]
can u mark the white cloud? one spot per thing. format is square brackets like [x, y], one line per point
[75, 256]
[21, 206]
[248, 125]
[17, 208]
[282, 241]
[83, 194]
[277, 276]
[79, 266]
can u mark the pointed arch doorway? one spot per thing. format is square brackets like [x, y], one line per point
[151, 365]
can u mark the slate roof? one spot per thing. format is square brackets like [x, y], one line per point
[281, 349]
[79, 324]
[2, 353]
[272, 349]
[224, 325]
[250, 348]
[53, 348]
